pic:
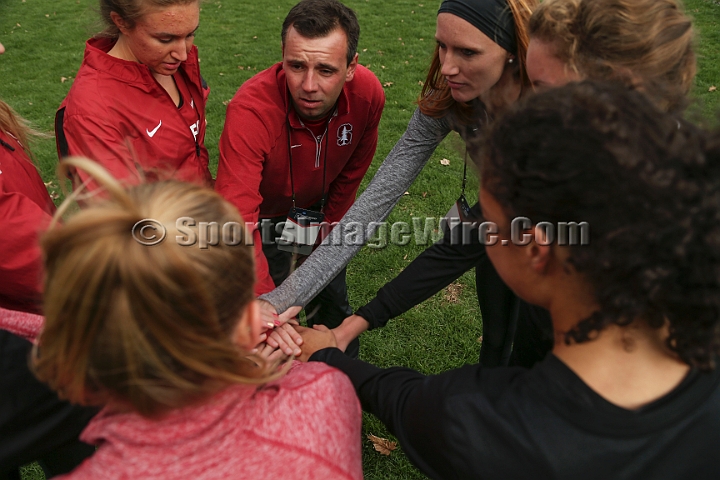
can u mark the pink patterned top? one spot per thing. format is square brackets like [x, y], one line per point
[305, 425]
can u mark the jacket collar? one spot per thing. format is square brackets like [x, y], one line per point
[342, 107]
[96, 57]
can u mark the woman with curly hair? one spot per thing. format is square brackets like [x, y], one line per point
[631, 388]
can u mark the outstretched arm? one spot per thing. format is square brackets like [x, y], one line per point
[392, 179]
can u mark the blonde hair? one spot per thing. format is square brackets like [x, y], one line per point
[16, 126]
[643, 43]
[436, 98]
[148, 327]
[131, 11]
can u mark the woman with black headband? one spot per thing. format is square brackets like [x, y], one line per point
[477, 70]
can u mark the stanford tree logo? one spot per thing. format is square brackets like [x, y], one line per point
[344, 135]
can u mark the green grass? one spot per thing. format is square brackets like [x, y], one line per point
[45, 42]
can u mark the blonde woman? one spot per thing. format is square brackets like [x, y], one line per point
[25, 210]
[137, 104]
[159, 335]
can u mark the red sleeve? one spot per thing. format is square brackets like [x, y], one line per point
[20, 262]
[343, 189]
[98, 140]
[244, 146]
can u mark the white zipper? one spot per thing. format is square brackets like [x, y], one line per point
[318, 140]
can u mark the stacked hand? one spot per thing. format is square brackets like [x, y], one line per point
[286, 337]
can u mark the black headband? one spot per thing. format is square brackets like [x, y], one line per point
[491, 17]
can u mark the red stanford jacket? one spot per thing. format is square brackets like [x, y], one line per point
[25, 211]
[117, 114]
[254, 168]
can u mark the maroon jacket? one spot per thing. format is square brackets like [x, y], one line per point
[117, 114]
[25, 211]
[254, 169]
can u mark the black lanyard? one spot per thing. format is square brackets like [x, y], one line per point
[193, 105]
[290, 155]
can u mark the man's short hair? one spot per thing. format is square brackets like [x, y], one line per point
[317, 18]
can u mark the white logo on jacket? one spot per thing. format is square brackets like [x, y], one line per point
[195, 129]
[151, 133]
[344, 135]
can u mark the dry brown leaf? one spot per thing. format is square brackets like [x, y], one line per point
[364, 49]
[221, 74]
[47, 15]
[63, 79]
[226, 102]
[479, 340]
[712, 89]
[382, 445]
[406, 193]
[382, 66]
[238, 54]
[241, 67]
[445, 162]
[387, 84]
[421, 83]
[452, 292]
[424, 194]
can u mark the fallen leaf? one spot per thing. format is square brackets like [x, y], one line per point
[241, 67]
[406, 193]
[379, 52]
[387, 84]
[424, 194]
[238, 54]
[399, 39]
[452, 292]
[382, 445]
[221, 74]
[407, 63]
[226, 102]
[29, 103]
[382, 66]
[712, 89]
[445, 162]
[17, 24]
[63, 79]
[54, 195]
[479, 340]
[48, 184]
[364, 49]
[405, 257]
[47, 15]
[254, 37]
[421, 83]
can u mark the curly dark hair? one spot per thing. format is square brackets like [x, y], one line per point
[649, 187]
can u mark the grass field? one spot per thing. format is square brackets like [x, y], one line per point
[238, 38]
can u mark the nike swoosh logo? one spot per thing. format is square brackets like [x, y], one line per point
[151, 133]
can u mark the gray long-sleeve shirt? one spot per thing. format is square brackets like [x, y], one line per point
[399, 170]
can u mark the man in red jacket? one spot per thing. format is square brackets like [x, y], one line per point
[301, 135]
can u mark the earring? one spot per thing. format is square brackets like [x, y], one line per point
[510, 60]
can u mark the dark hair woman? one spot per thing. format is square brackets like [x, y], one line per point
[631, 388]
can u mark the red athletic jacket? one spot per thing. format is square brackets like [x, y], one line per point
[254, 168]
[25, 211]
[117, 114]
